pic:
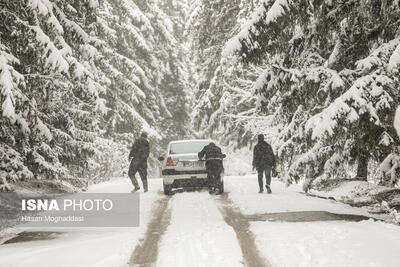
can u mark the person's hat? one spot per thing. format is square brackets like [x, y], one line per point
[144, 135]
[260, 137]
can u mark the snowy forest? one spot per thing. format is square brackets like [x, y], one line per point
[81, 79]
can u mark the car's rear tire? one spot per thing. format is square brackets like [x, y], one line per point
[167, 189]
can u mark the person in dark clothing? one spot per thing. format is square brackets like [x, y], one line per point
[263, 160]
[214, 166]
[138, 161]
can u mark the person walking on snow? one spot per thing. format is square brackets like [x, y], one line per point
[263, 161]
[138, 161]
[214, 165]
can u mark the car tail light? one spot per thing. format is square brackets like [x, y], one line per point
[171, 162]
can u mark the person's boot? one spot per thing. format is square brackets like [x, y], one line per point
[210, 189]
[145, 187]
[260, 185]
[268, 189]
[218, 190]
[135, 184]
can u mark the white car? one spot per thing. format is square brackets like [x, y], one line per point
[181, 166]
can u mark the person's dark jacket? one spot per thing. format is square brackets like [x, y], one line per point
[211, 151]
[140, 150]
[263, 155]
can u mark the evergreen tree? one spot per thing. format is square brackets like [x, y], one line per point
[210, 25]
[49, 107]
[328, 92]
[175, 85]
[80, 79]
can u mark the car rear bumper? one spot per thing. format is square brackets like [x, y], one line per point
[178, 179]
[173, 172]
[187, 182]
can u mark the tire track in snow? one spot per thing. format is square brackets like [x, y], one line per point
[198, 235]
[146, 252]
[233, 217]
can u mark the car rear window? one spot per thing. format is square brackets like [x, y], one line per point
[187, 147]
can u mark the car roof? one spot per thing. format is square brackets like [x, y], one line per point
[191, 140]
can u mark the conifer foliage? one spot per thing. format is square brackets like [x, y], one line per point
[222, 84]
[327, 86]
[79, 80]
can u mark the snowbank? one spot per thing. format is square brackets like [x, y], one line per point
[354, 190]
[374, 198]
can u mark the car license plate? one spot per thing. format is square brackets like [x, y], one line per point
[192, 164]
[187, 164]
[198, 164]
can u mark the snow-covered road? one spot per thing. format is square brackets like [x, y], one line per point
[309, 243]
[196, 229]
[198, 235]
[86, 247]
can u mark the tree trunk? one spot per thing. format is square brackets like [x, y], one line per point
[362, 166]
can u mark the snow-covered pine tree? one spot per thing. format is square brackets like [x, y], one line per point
[12, 124]
[224, 92]
[328, 94]
[210, 24]
[176, 85]
[80, 79]
[54, 107]
[124, 27]
[146, 65]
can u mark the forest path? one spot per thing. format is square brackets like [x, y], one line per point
[203, 229]
[238, 228]
[199, 229]
[239, 222]
[146, 252]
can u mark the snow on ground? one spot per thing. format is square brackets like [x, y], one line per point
[355, 191]
[348, 189]
[198, 235]
[309, 244]
[336, 243]
[243, 191]
[85, 246]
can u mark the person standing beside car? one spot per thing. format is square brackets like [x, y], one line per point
[138, 161]
[264, 161]
[214, 166]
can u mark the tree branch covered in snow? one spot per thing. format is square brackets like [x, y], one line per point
[325, 91]
[80, 80]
